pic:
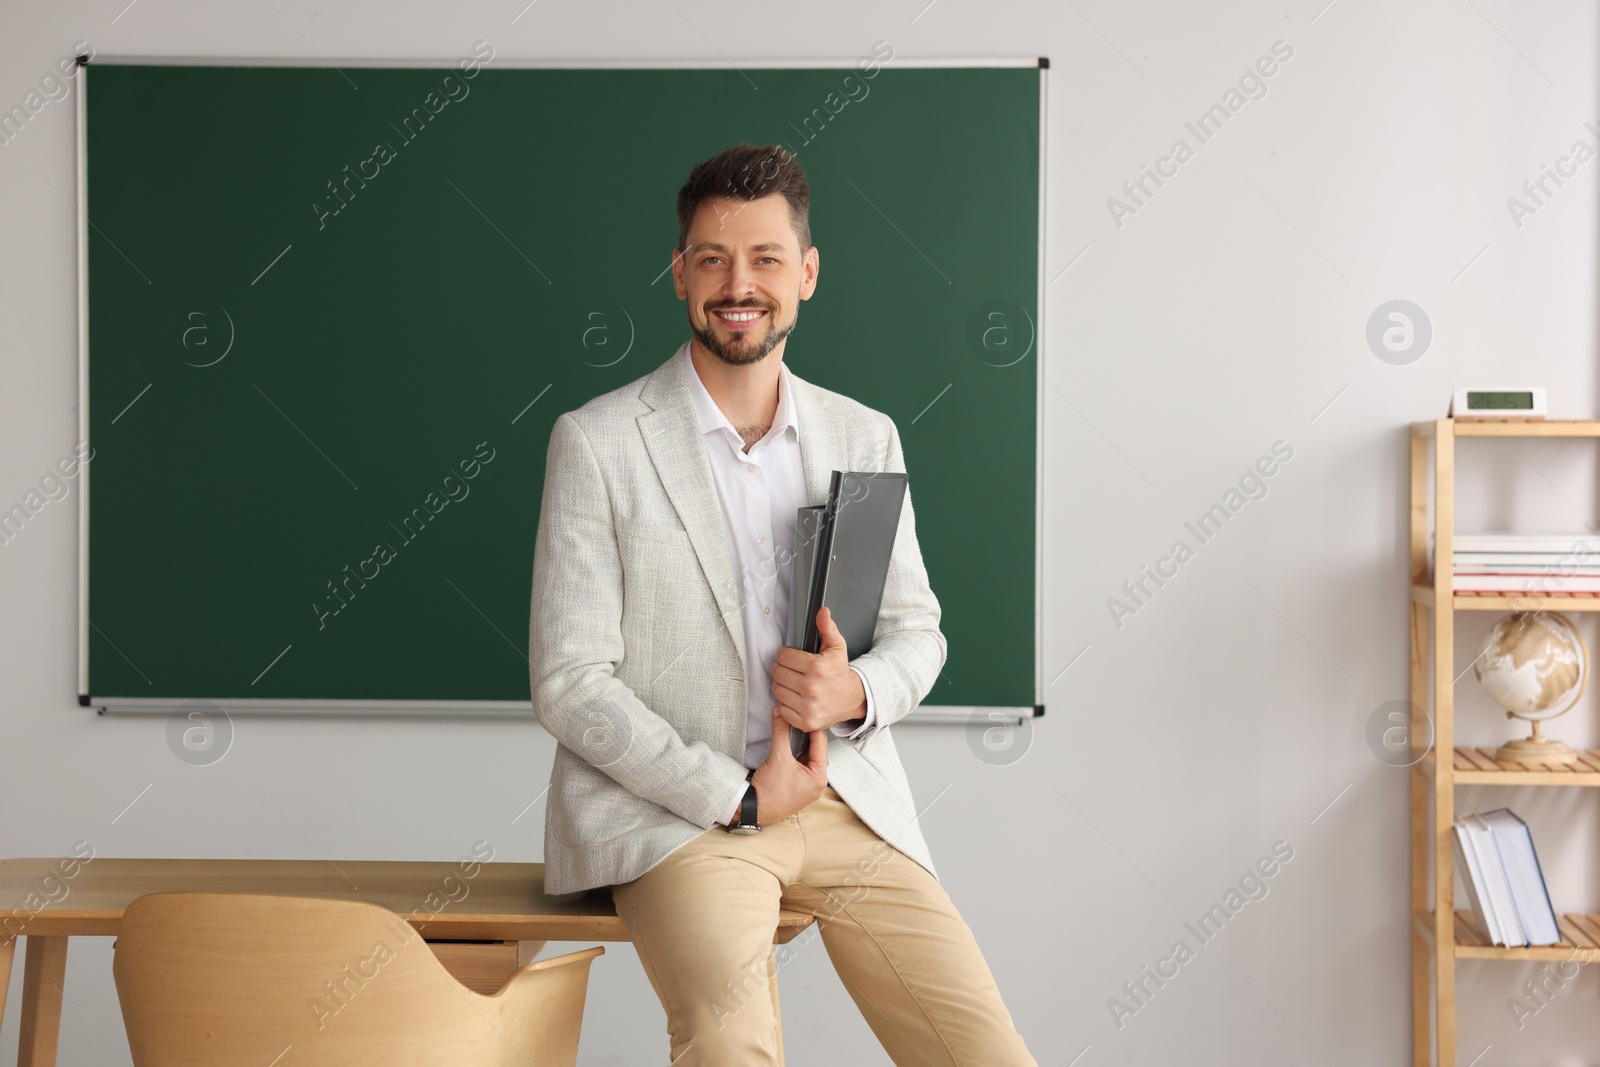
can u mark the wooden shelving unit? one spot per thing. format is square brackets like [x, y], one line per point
[1440, 934]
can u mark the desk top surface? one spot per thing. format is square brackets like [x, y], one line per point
[440, 898]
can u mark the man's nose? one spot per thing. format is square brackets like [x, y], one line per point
[741, 281]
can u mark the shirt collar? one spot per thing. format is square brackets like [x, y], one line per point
[711, 417]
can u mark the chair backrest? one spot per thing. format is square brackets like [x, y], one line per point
[218, 979]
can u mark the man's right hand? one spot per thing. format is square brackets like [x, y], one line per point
[783, 784]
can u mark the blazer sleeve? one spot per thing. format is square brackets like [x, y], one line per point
[575, 645]
[908, 650]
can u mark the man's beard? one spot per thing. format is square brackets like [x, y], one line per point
[744, 352]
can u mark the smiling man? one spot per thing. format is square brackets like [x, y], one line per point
[660, 604]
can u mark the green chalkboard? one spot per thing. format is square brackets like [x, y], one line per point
[285, 365]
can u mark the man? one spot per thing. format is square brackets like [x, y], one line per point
[660, 603]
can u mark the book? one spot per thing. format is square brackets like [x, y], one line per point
[1529, 896]
[1472, 878]
[1531, 559]
[1497, 884]
[1562, 570]
[1575, 544]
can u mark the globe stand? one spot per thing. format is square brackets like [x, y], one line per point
[1535, 748]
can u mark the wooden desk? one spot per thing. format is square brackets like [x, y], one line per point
[499, 902]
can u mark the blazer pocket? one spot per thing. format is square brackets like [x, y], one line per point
[590, 807]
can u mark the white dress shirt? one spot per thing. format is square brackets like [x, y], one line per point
[760, 491]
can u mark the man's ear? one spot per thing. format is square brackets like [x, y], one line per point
[810, 266]
[677, 274]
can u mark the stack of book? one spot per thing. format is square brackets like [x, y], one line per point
[1505, 886]
[1538, 564]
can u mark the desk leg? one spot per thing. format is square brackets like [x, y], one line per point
[43, 974]
[8, 947]
[772, 985]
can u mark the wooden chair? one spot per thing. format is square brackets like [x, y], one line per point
[219, 979]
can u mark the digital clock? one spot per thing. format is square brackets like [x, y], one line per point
[1498, 402]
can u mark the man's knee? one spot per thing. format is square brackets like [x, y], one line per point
[723, 1016]
[703, 988]
[712, 988]
[746, 986]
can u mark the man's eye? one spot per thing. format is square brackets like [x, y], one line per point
[768, 259]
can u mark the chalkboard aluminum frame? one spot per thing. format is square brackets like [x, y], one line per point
[518, 708]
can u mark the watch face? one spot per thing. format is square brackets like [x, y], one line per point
[744, 829]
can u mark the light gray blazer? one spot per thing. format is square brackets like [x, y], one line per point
[636, 645]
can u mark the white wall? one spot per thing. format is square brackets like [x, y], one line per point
[1222, 317]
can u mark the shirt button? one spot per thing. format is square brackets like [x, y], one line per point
[766, 610]
[761, 539]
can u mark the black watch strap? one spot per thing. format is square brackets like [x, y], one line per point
[748, 806]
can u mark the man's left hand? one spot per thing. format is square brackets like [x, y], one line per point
[816, 690]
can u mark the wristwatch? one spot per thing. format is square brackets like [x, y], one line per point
[745, 822]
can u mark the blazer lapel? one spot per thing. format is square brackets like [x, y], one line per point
[672, 436]
[823, 440]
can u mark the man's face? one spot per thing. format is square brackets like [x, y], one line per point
[743, 276]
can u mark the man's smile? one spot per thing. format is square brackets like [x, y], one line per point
[739, 318]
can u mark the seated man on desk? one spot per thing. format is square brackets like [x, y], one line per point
[660, 604]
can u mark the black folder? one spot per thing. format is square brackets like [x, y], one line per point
[841, 560]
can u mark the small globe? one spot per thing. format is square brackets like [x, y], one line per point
[1533, 664]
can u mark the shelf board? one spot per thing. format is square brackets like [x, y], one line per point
[1527, 428]
[1527, 601]
[1478, 766]
[1423, 594]
[1514, 428]
[1580, 937]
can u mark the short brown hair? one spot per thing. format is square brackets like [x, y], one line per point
[748, 172]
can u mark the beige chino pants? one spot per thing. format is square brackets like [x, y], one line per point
[703, 919]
